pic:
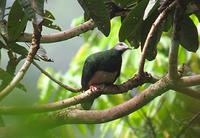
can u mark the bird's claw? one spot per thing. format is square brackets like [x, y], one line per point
[93, 88]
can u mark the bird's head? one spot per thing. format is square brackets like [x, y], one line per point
[121, 46]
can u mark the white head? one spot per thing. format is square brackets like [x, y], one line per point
[121, 46]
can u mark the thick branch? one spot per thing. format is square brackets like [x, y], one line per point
[100, 116]
[32, 52]
[61, 36]
[153, 29]
[113, 89]
[56, 81]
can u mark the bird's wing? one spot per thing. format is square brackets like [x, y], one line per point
[89, 69]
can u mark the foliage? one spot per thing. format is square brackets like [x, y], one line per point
[167, 114]
[164, 116]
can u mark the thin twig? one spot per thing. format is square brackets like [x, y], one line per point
[189, 81]
[32, 52]
[188, 125]
[154, 27]
[188, 91]
[75, 90]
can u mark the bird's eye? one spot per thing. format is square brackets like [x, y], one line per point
[121, 44]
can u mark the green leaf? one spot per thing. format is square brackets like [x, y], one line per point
[26, 5]
[2, 41]
[7, 77]
[17, 21]
[48, 15]
[2, 9]
[97, 10]
[150, 7]
[31, 12]
[49, 23]
[39, 7]
[18, 49]
[197, 14]
[188, 34]
[132, 21]
[124, 3]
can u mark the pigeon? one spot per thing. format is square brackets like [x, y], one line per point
[101, 68]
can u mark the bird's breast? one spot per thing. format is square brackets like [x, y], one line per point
[102, 77]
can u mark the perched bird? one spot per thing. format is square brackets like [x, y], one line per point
[101, 68]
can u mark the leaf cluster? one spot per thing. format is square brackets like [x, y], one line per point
[137, 20]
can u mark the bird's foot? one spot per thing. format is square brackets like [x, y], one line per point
[93, 88]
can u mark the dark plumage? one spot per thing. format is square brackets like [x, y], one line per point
[102, 68]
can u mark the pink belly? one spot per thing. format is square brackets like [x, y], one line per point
[101, 77]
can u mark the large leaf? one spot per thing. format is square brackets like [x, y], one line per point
[18, 49]
[150, 7]
[49, 23]
[17, 21]
[26, 5]
[97, 10]
[39, 8]
[34, 11]
[2, 8]
[132, 21]
[188, 34]
[6, 78]
[124, 3]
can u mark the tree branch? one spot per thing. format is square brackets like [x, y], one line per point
[56, 81]
[154, 27]
[188, 91]
[67, 34]
[76, 116]
[189, 81]
[46, 107]
[32, 52]
[113, 89]
[61, 36]
[173, 53]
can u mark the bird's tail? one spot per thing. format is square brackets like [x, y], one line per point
[87, 104]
